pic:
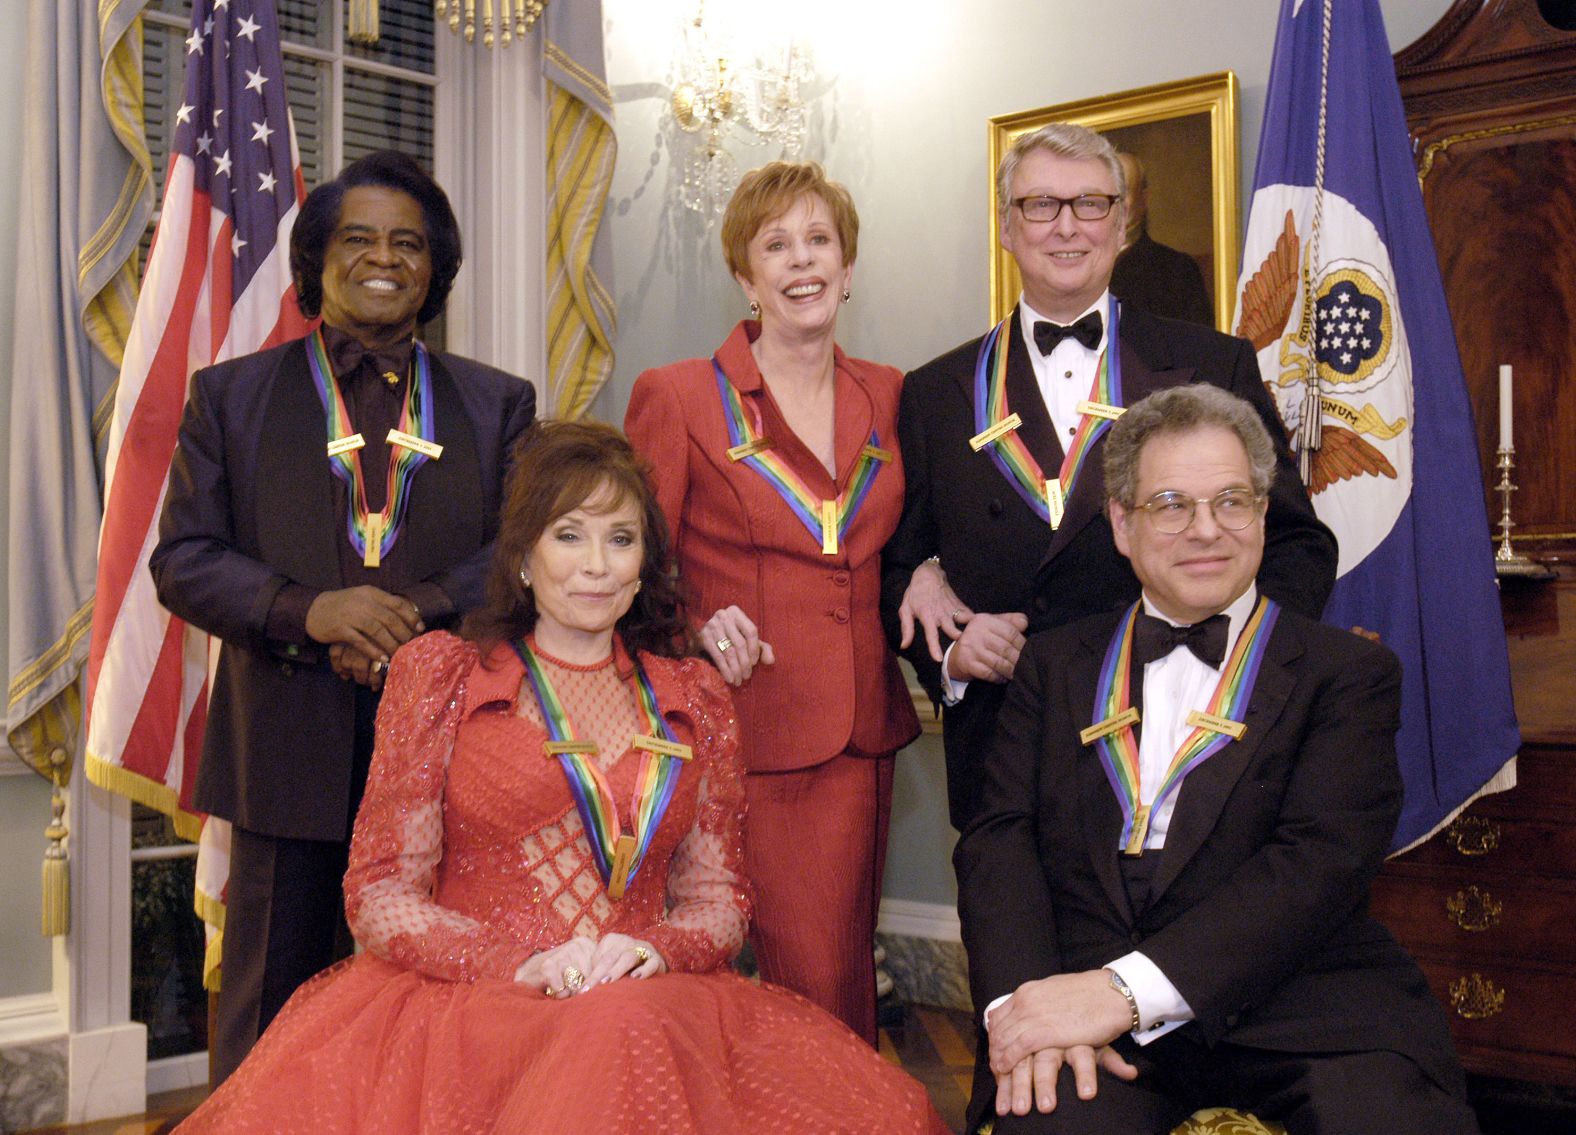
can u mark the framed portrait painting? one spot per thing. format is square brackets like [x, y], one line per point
[1182, 214]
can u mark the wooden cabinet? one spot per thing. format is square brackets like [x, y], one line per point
[1488, 909]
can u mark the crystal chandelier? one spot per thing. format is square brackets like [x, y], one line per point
[716, 96]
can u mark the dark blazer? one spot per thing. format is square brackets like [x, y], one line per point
[1162, 281]
[1000, 556]
[1259, 906]
[251, 507]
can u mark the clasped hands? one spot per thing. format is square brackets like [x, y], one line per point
[362, 627]
[1063, 1019]
[988, 645]
[581, 964]
[734, 644]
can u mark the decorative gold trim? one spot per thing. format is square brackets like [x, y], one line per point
[1433, 149]
[1475, 998]
[1214, 95]
[1473, 909]
[1473, 835]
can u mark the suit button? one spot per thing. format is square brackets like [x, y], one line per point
[840, 614]
[995, 508]
[286, 669]
[1042, 604]
[840, 578]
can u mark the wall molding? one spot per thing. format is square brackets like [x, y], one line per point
[935, 921]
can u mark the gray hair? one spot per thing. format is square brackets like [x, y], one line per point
[1065, 139]
[1180, 410]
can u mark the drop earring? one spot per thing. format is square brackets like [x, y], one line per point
[755, 310]
[525, 580]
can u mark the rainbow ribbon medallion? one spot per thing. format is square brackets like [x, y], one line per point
[826, 520]
[618, 854]
[373, 534]
[997, 424]
[1221, 722]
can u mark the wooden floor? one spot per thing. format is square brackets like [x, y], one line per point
[936, 1047]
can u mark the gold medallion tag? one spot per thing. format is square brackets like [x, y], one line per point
[420, 444]
[749, 449]
[623, 860]
[829, 528]
[1135, 841]
[374, 553]
[980, 440]
[345, 444]
[1100, 410]
[663, 746]
[876, 453]
[1128, 716]
[1233, 729]
[1055, 500]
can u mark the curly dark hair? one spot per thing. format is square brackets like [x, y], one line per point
[558, 466]
[319, 217]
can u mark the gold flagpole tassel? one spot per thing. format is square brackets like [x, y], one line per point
[56, 921]
[364, 20]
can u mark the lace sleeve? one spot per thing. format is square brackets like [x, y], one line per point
[399, 829]
[708, 896]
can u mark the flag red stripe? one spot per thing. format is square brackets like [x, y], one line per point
[149, 743]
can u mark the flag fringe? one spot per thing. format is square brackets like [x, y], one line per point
[151, 793]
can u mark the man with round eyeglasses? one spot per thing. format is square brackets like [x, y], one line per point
[1003, 530]
[1164, 895]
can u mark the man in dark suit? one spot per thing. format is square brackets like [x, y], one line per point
[1151, 275]
[1164, 896]
[977, 556]
[314, 568]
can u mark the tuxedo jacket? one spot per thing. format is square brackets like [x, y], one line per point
[1258, 909]
[1000, 556]
[251, 506]
[835, 685]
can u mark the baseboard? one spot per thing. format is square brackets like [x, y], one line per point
[907, 919]
[176, 1073]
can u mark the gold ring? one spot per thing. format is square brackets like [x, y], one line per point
[380, 667]
[642, 955]
[550, 991]
[574, 980]
[956, 611]
[724, 645]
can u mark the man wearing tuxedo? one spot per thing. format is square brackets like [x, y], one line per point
[1002, 531]
[1164, 895]
[314, 568]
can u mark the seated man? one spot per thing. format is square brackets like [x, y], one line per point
[1164, 895]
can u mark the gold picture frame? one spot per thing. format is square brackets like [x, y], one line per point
[1185, 133]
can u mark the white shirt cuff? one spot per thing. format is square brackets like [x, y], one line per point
[1160, 1007]
[952, 690]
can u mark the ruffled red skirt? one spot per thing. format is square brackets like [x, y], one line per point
[370, 1047]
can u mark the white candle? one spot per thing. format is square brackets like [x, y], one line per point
[1505, 441]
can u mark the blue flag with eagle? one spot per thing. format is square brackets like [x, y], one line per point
[1342, 298]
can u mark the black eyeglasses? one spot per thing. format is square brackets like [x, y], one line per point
[1172, 512]
[1086, 206]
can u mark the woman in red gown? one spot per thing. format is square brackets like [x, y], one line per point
[519, 974]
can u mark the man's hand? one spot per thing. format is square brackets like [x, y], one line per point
[1062, 1011]
[353, 666]
[1033, 1079]
[989, 647]
[930, 602]
[372, 621]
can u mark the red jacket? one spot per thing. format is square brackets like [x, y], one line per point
[834, 686]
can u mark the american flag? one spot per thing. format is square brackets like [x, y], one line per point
[217, 286]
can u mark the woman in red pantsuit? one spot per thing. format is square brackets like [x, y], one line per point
[775, 462]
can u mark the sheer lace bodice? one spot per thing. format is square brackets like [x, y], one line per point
[469, 855]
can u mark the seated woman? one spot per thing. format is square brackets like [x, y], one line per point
[545, 874]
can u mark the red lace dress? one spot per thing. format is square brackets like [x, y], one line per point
[468, 857]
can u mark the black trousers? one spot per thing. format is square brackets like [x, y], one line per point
[1340, 1093]
[284, 917]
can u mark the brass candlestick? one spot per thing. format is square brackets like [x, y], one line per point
[1507, 561]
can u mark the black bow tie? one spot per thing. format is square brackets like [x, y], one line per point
[348, 356]
[1156, 638]
[1086, 330]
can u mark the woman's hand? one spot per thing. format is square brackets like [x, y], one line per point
[619, 955]
[734, 645]
[548, 969]
[931, 604]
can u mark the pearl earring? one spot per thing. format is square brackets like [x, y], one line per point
[525, 580]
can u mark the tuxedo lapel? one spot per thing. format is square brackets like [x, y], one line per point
[446, 493]
[1025, 399]
[1100, 815]
[296, 522]
[1203, 794]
